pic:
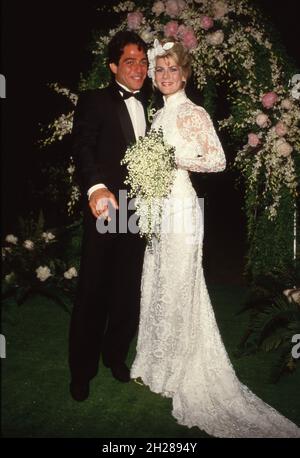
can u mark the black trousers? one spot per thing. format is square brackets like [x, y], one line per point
[106, 310]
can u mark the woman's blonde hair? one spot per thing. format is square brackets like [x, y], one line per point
[180, 54]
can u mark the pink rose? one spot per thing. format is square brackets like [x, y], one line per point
[220, 9]
[171, 29]
[187, 36]
[262, 120]
[158, 8]
[206, 22]
[174, 7]
[283, 148]
[269, 99]
[280, 129]
[134, 20]
[189, 40]
[253, 140]
[181, 5]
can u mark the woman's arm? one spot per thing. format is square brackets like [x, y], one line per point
[196, 128]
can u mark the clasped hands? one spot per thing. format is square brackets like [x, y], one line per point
[99, 203]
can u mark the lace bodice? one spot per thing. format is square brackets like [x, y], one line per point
[190, 130]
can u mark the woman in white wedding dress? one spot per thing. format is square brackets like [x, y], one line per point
[180, 353]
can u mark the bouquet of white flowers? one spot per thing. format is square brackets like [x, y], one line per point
[150, 165]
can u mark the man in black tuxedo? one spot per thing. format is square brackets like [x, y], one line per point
[106, 309]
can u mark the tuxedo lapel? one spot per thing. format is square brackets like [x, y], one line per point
[121, 109]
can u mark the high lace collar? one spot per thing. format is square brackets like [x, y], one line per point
[175, 99]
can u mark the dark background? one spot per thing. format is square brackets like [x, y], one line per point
[47, 41]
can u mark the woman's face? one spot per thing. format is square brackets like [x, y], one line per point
[169, 76]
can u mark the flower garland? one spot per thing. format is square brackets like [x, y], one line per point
[232, 47]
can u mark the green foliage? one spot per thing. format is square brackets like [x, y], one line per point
[274, 319]
[98, 76]
[270, 241]
[57, 181]
[262, 67]
[210, 97]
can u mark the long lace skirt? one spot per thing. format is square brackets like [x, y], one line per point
[180, 352]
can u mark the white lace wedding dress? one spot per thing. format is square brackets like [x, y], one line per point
[180, 352]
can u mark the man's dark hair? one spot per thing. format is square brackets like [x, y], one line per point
[119, 41]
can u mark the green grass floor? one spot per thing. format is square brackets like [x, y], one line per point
[35, 379]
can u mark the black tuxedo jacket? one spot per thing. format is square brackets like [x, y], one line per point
[102, 131]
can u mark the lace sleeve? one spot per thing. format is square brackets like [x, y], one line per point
[196, 128]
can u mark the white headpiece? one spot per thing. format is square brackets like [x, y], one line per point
[157, 50]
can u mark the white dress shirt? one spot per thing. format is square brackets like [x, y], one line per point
[137, 116]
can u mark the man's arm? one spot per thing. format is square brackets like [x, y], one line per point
[86, 127]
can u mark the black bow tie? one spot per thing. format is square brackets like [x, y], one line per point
[126, 95]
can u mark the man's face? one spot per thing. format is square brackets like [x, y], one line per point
[132, 68]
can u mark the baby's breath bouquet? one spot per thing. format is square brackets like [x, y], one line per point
[150, 173]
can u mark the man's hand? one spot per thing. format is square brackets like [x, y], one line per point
[99, 202]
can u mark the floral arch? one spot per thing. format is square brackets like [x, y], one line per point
[234, 48]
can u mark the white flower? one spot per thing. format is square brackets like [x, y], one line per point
[146, 35]
[28, 244]
[158, 8]
[66, 92]
[215, 38]
[124, 6]
[281, 129]
[220, 9]
[10, 238]
[295, 79]
[48, 236]
[60, 127]
[74, 197]
[287, 104]
[71, 169]
[9, 277]
[174, 7]
[67, 275]
[43, 272]
[293, 295]
[262, 120]
[5, 250]
[283, 148]
[72, 272]
[295, 92]
[286, 292]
